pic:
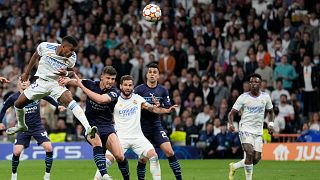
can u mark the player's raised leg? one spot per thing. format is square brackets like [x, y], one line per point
[19, 105]
[17, 150]
[113, 144]
[173, 162]
[47, 146]
[66, 99]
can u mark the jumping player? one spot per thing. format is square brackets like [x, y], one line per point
[55, 59]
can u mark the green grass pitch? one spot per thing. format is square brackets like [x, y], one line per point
[191, 170]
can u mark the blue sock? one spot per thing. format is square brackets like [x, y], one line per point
[15, 163]
[100, 159]
[48, 161]
[141, 171]
[175, 166]
[124, 168]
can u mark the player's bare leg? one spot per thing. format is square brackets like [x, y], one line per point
[113, 144]
[47, 146]
[67, 100]
[248, 162]
[154, 164]
[19, 105]
[256, 157]
[173, 162]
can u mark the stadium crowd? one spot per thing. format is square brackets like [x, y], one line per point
[205, 50]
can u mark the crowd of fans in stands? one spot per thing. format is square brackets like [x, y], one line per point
[205, 50]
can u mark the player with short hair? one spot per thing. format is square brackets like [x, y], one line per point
[55, 59]
[101, 98]
[151, 123]
[252, 105]
[33, 120]
[127, 114]
[4, 80]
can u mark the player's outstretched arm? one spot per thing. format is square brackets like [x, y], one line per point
[4, 80]
[32, 62]
[98, 98]
[157, 110]
[230, 119]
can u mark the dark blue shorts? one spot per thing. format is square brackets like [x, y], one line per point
[40, 135]
[103, 133]
[157, 136]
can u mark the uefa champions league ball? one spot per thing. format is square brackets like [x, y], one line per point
[152, 13]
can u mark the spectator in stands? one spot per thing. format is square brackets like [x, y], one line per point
[275, 94]
[216, 125]
[220, 92]
[202, 117]
[167, 63]
[309, 83]
[266, 73]
[192, 132]
[286, 72]
[206, 137]
[221, 145]
[279, 123]
[286, 111]
[314, 123]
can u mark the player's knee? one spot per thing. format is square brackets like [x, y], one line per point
[119, 157]
[143, 160]
[95, 141]
[256, 159]
[169, 153]
[47, 147]
[17, 152]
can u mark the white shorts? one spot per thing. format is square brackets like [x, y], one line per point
[255, 140]
[140, 146]
[41, 88]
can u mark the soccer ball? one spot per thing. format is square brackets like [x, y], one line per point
[152, 12]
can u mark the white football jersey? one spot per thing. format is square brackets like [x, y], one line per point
[50, 62]
[127, 113]
[253, 109]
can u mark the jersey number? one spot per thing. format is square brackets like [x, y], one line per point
[45, 134]
[34, 85]
[163, 134]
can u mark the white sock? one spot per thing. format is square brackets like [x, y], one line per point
[79, 114]
[248, 170]
[155, 168]
[47, 174]
[97, 176]
[20, 113]
[239, 164]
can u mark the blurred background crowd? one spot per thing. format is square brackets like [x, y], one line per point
[205, 50]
